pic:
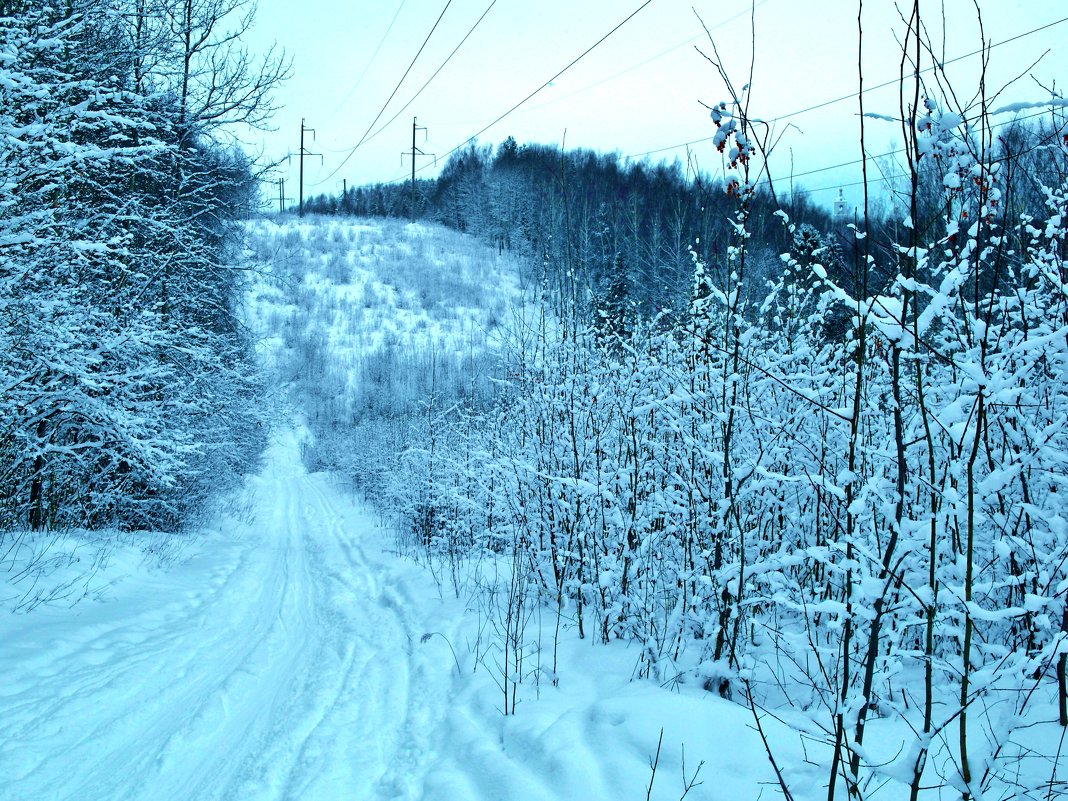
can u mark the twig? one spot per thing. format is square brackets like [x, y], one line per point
[767, 747]
[653, 764]
[689, 784]
[430, 634]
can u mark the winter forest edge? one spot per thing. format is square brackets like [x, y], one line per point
[807, 463]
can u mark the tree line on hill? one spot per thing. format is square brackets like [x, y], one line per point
[625, 231]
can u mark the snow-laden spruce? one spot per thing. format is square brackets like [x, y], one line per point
[128, 392]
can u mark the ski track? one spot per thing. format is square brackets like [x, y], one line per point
[280, 663]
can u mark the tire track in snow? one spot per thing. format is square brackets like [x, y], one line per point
[275, 665]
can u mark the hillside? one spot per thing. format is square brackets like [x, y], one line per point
[519, 470]
[371, 616]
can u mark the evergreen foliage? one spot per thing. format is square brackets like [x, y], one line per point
[129, 394]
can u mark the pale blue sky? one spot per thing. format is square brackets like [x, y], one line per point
[637, 92]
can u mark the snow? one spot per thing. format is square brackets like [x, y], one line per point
[276, 661]
[1014, 108]
[285, 657]
[288, 653]
[881, 117]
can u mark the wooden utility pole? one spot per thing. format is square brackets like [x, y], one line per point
[415, 151]
[281, 195]
[303, 153]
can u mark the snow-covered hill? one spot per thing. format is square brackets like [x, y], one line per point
[286, 654]
[291, 653]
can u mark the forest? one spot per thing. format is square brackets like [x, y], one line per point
[130, 396]
[625, 230]
[812, 464]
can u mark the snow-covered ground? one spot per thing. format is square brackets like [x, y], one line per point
[288, 657]
[287, 653]
[281, 660]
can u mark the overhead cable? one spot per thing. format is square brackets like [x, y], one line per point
[385, 105]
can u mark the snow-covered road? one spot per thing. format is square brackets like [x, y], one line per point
[287, 659]
[281, 662]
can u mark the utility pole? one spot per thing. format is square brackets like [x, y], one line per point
[303, 153]
[415, 151]
[281, 195]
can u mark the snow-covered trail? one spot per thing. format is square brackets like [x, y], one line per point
[282, 662]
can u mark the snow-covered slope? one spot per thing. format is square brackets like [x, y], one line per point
[288, 655]
[283, 660]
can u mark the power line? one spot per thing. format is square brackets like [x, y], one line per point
[385, 105]
[898, 151]
[669, 147]
[649, 60]
[940, 65]
[370, 61]
[781, 117]
[429, 80]
[828, 168]
[885, 179]
[585, 53]
[850, 163]
[435, 75]
[853, 95]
